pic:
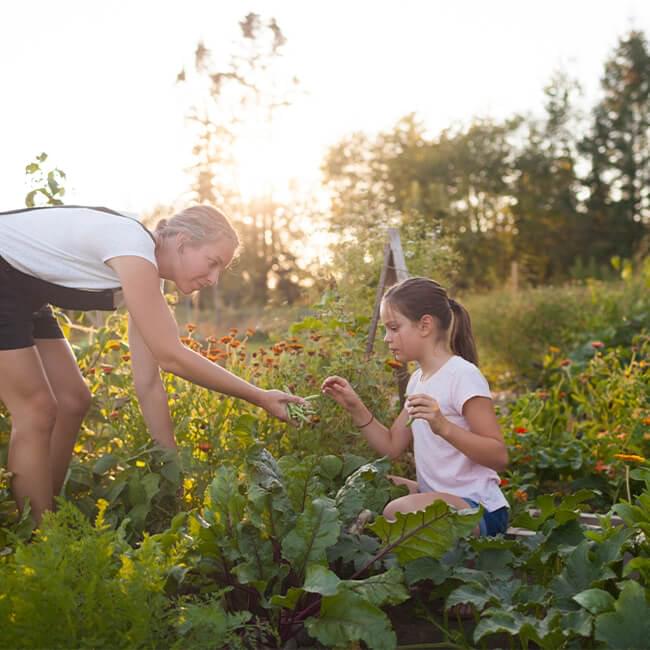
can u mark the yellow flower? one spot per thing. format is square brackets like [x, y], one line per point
[113, 345]
[140, 463]
[634, 458]
[552, 349]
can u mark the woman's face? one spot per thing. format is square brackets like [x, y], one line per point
[199, 266]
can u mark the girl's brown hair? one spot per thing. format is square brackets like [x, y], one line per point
[416, 297]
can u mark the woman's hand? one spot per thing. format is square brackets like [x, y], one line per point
[424, 407]
[275, 402]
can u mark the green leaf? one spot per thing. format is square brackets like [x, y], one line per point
[498, 592]
[546, 633]
[427, 533]
[348, 617]
[382, 589]
[629, 626]
[259, 567]
[355, 549]
[330, 466]
[31, 168]
[320, 580]
[426, 568]
[365, 488]
[317, 527]
[595, 601]
[226, 503]
[579, 574]
[300, 480]
[106, 462]
[289, 600]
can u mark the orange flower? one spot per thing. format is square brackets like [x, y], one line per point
[565, 362]
[521, 430]
[597, 345]
[521, 495]
[126, 357]
[114, 414]
[106, 368]
[646, 421]
[211, 339]
[90, 371]
[225, 339]
[250, 331]
[561, 394]
[504, 482]
[542, 394]
[190, 327]
[600, 466]
[394, 363]
[113, 345]
[204, 446]
[235, 343]
[233, 331]
[633, 458]
[526, 459]
[296, 346]
[186, 340]
[315, 337]
[213, 356]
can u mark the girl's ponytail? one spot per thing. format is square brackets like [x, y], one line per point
[462, 339]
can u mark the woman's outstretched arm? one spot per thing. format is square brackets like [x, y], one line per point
[157, 326]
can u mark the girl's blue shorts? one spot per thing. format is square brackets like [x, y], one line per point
[492, 523]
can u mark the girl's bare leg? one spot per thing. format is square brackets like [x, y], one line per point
[73, 401]
[411, 485]
[415, 502]
[26, 393]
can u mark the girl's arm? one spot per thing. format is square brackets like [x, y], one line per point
[155, 322]
[149, 388]
[483, 443]
[388, 442]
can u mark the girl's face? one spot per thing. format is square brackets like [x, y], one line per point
[405, 339]
[199, 266]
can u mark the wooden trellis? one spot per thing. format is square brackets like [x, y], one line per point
[393, 270]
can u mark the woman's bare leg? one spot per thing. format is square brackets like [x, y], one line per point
[73, 400]
[26, 393]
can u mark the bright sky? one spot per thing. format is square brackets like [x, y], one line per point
[93, 82]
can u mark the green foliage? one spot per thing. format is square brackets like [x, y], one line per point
[77, 585]
[47, 188]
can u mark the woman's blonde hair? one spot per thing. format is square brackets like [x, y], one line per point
[201, 223]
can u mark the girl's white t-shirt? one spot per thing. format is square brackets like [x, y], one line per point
[439, 465]
[69, 246]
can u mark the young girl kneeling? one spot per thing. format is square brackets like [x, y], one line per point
[458, 445]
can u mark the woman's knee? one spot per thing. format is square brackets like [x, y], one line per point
[74, 403]
[36, 416]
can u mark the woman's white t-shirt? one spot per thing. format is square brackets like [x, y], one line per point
[69, 246]
[439, 465]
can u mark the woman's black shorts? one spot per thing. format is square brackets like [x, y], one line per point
[24, 314]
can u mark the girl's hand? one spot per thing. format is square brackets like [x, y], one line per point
[342, 393]
[275, 402]
[424, 407]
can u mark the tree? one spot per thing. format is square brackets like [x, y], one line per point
[247, 91]
[547, 219]
[618, 151]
